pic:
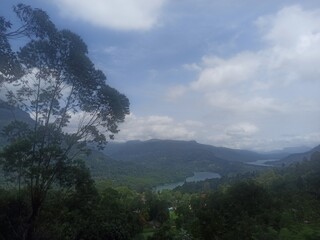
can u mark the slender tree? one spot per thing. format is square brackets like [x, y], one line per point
[52, 78]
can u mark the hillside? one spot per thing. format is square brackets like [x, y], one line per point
[147, 163]
[8, 114]
[141, 151]
[297, 157]
[134, 175]
[172, 160]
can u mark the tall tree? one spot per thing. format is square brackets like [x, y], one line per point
[52, 78]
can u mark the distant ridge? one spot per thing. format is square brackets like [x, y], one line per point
[9, 114]
[135, 150]
[297, 157]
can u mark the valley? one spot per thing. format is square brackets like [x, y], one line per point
[147, 164]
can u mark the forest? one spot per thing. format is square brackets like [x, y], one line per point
[55, 182]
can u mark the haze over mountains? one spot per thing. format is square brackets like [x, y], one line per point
[139, 150]
[8, 114]
[164, 160]
[297, 157]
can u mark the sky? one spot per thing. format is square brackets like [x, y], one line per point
[240, 74]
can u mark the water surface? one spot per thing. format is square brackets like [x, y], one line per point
[263, 162]
[197, 176]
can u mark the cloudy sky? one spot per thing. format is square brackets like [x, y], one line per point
[241, 74]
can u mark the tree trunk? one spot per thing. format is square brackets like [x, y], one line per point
[30, 226]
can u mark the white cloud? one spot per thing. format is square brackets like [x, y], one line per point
[273, 87]
[155, 127]
[250, 96]
[267, 144]
[241, 130]
[238, 138]
[191, 67]
[176, 92]
[114, 14]
[237, 103]
[220, 72]
[250, 80]
[239, 135]
[290, 27]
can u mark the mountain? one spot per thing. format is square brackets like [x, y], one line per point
[285, 152]
[9, 114]
[298, 149]
[147, 163]
[182, 156]
[140, 151]
[297, 157]
[153, 162]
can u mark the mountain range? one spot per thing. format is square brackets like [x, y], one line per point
[144, 150]
[297, 157]
[155, 161]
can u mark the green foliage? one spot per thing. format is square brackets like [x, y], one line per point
[79, 213]
[278, 204]
[238, 208]
[234, 212]
[107, 218]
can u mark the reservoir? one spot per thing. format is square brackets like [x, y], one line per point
[197, 176]
[263, 162]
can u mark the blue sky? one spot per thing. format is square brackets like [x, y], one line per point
[241, 74]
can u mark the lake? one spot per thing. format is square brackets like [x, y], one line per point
[263, 162]
[197, 177]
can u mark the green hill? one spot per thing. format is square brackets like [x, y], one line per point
[9, 114]
[298, 157]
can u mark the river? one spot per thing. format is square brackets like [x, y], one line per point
[197, 176]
